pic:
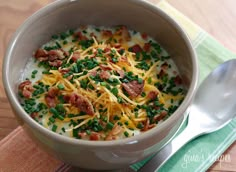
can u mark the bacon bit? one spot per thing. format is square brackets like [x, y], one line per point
[121, 73]
[117, 45]
[65, 53]
[160, 116]
[26, 88]
[147, 125]
[161, 73]
[104, 67]
[82, 103]
[136, 48]
[67, 98]
[50, 101]
[178, 80]
[55, 63]
[34, 115]
[125, 60]
[164, 66]
[82, 134]
[144, 36]
[93, 73]
[152, 95]
[41, 53]
[123, 31]
[104, 75]
[114, 132]
[76, 56]
[23, 84]
[107, 33]
[107, 50]
[53, 92]
[93, 35]
[147, 46]
[80, 36]
[56, 54]
[133, 88]
[64, 71]
[94, 136]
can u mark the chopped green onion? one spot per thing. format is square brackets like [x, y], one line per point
[126, 134]
[110, 125]
[60, 87]
[54, 128]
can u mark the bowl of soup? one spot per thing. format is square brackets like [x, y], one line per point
[100, 85]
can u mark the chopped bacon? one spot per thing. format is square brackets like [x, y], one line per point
[147, 125]
[26, 88]
[56, 54]
[147, 46]
[82, 135]
[125, 60]
[178, 80]
[94, 136]
[53, 92]
[80, 36]
[121, 73]
[41, 53]
[133, 88]
[64, 70]
[67, 98]
[107, 33]
[55, 63]
[136, 48]
[164, 66]
[123, 31]
[105, 67]
[107, 50]
[160, 116]
[50, 101]
[104, 75]
[93, 35]
[23, 84]
[161, 73]
[144, 36]
[82, 103]
[76, 56]
[152, 95]
[65, 53]
[114, 132]
[93, 73]
[117, 45]
[34, 115]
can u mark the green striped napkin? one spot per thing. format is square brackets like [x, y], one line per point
[201, 153]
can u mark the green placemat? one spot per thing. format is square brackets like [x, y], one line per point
[201, 153]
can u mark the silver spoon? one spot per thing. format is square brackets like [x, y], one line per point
[213, 107]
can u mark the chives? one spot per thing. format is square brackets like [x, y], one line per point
[54, 128]
[126, 134]
[60, 87]
[51, 119]
[110, 125]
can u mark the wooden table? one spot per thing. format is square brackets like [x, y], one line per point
[216, 17]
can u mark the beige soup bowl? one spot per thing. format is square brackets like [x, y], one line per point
[65, 14]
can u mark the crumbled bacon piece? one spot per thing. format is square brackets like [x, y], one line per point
[147, 46]
[161, 73]
[136, 48]
[107, 50]
[133, 88]
[105, 67]
[82, 103]
[26, 88]
[124, 33]
[104, 75]
[34, 115]
[41, 54]
[64, 70]
[178, 80]
[53, 92]
[93, 73]
[56, 54]
[125, 60]
[82, 135]
[80, 36]
[160, 116]
[50, 101]
[152, 95]
[121, 73]
[55, 63]
[144, 36]
[94, 136]
[107, 33]
[76, 56]
[114, 132]
[147, 125]
[164, 66]
[117, 45]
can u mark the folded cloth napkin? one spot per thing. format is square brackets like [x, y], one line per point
[20, 154]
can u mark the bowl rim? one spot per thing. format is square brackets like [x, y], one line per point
[127, 141]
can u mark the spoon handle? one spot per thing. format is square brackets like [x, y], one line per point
[170, 149]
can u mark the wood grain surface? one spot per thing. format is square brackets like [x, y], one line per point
[216, 17]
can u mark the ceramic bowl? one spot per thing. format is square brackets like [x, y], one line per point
[65, 14]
